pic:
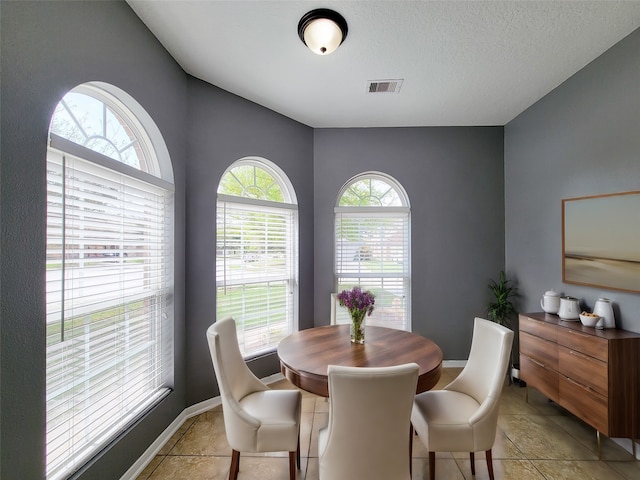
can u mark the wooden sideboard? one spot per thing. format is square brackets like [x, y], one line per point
[595, 374]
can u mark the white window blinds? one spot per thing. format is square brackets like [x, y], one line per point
[372, 250]
[256, 269]
[108, 302]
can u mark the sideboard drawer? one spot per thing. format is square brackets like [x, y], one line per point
[590, 406]
[584, 369]
[539, 376]
[538, 328]
[542, 350]
[585, 343]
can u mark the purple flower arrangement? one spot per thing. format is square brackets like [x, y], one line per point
[357, 301]
[359, 304]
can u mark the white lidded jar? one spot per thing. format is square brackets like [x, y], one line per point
[604, 309]
[569, 309]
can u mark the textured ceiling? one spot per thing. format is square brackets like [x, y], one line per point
[462, 62]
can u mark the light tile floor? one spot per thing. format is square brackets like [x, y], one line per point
[536, 440]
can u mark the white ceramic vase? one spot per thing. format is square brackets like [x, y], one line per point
[604, 309]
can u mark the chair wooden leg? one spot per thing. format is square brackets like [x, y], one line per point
[235, 465]
[489, 464]
[298, 453]
[472, 457]
[432, 465]
[292, 465]
[411, 448]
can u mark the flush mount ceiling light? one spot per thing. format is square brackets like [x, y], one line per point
[322, 30]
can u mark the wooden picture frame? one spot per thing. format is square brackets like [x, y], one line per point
[601, 241]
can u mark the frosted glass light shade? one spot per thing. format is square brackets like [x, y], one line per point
[322, 30]
[323, 36]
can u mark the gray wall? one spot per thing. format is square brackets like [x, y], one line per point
[47, 49]
[454, 179]
[581, 139]
[222, 129]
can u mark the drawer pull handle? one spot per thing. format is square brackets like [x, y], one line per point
[538, 363]
[578, 354]
[579, 334]
[584, 387]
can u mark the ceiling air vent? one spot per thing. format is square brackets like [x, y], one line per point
[384, 86]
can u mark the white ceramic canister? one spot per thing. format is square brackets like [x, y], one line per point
[604, 309]
[569, 308]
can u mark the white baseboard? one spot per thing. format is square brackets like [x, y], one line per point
[139, 465]
[454, 363]
[136, 469]
[627, 444]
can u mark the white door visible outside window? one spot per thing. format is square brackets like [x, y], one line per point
[372, 247]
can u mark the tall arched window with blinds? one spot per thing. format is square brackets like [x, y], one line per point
[109, 272]
[257, 254]
[372, 247]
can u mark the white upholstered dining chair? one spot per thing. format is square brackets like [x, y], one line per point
[368, 433]
[463, 416]
[256, 419]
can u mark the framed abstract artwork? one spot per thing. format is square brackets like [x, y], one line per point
[601, 241]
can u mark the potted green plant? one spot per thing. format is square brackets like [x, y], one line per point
[501, 310]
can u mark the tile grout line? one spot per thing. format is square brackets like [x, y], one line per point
[164, 457]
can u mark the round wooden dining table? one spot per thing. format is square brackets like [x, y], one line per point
[305, 355]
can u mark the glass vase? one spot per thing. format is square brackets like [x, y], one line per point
[356, 329]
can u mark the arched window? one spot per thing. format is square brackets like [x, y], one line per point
[109, 272]
[257, 254]
[372, 247]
